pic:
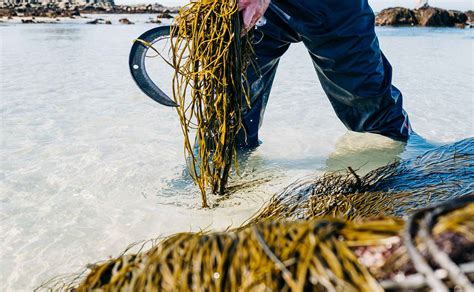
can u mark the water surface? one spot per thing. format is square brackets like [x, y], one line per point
[89, 164]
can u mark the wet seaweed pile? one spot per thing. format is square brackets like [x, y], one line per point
[210, 57]
[438, 175]
[339, 232]
[326, 254]
[276, 256]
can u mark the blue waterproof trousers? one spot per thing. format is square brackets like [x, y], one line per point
[356, 76]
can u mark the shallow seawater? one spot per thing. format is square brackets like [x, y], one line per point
[89, 164]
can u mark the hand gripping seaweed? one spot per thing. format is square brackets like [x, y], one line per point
[210, 56]
[209, 87]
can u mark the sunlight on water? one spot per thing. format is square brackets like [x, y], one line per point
[90, 164]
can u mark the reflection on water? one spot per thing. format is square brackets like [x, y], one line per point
[363, 153]
[62, 33]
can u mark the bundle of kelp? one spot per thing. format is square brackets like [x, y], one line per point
[210, 57]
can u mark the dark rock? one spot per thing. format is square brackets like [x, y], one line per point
[65, 9]
[27, 21]
[469, 15]
[93, 9]
[125, 21]
[76, 12]
[396, 16]
[457, 16]
[164, 15]
[431, 16]
[424, 16]
[99, 21]
[156, 21]
[6, 12]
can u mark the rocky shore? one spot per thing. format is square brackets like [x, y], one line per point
[395, 16]
[424, 16]
[54, 11]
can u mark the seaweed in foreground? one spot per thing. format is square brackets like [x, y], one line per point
[350, 236]
[323, 254]
[275, 256]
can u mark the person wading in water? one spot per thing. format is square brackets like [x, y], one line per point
[341, 40]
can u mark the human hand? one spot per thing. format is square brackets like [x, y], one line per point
[252, 10]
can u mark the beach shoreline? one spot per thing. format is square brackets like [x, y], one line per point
[426, 16]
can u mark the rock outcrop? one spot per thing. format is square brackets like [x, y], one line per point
[165, 15]
[396, 16]
[60, 9]
[155, 21]
[40, 11]
[424, 16]
[431, 16]
[99, 21]
[125, 21]
[470, 16]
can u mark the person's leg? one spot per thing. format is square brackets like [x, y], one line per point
[271, 41]
[354, 73]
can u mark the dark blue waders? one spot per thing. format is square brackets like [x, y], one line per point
[356, 76]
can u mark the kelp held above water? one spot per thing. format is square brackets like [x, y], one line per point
[210, 57]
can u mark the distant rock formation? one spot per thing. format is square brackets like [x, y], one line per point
[70, 8]
[32, 20]
[155, 21]
[431, 16]
[396, 16]
[470, 16]
[125, 21]
[165, 15]
[424, 16]
[99, 21]
[40, 11]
